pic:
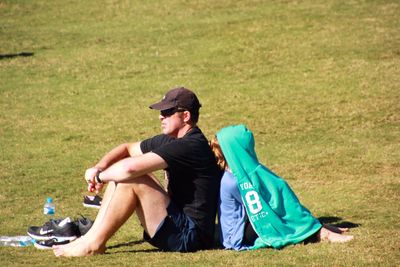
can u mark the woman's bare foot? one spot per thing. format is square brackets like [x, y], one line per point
[336, 229]
[79, 248]
[327, 235]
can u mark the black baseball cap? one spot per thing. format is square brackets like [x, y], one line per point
[178, 98]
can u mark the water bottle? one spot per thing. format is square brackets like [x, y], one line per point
[49, 208]
[16, 241]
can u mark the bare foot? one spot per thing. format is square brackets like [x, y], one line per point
[330, 236]
[78, 248]
[336, 229]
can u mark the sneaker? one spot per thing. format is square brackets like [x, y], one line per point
[40, 232]
[92, 201]
[61, 229]
[48, 244]
[83, 224]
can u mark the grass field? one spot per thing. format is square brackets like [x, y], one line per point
[317, 82]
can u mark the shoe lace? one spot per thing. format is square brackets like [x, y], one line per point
[49, 224]
[83, 219]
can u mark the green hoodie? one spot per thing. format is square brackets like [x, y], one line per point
[275, 212]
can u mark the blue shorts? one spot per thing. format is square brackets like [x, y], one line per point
[177, 232]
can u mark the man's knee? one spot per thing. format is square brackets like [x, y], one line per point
[145, 184]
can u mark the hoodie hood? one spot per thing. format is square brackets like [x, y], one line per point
[237, 144]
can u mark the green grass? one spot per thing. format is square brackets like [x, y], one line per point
[316, 81]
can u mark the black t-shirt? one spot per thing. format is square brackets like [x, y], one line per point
[194, 177]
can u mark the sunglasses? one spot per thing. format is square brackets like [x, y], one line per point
[170, 112]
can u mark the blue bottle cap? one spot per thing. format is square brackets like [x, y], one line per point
[49, 200]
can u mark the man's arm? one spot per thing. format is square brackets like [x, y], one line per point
[127, 169]
[118, 153]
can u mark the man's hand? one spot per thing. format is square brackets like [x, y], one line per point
[90, 177]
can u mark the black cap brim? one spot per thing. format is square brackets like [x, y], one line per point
[162, 106]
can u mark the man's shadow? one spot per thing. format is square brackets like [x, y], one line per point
[337, 221]
[22, 54]
[129, 244]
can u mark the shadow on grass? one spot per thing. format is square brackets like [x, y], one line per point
[332, 220]
[22, 54]
[133, 251]
[128, 244]
[337, 221]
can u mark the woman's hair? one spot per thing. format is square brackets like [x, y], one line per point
[216, 149]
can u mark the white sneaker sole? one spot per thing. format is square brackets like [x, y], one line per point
[91, 206]
[39, 246]
[59, 238]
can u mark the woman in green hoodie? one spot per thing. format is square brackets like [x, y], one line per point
[258, 208]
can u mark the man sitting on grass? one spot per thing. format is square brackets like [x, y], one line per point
[181, 219]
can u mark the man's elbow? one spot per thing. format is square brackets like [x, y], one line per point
[131, 167]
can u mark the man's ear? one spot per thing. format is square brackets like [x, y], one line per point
[187, 116]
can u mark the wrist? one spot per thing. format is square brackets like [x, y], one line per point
[98, 168]
[97, 178]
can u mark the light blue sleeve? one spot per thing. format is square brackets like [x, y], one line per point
[232, 214]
